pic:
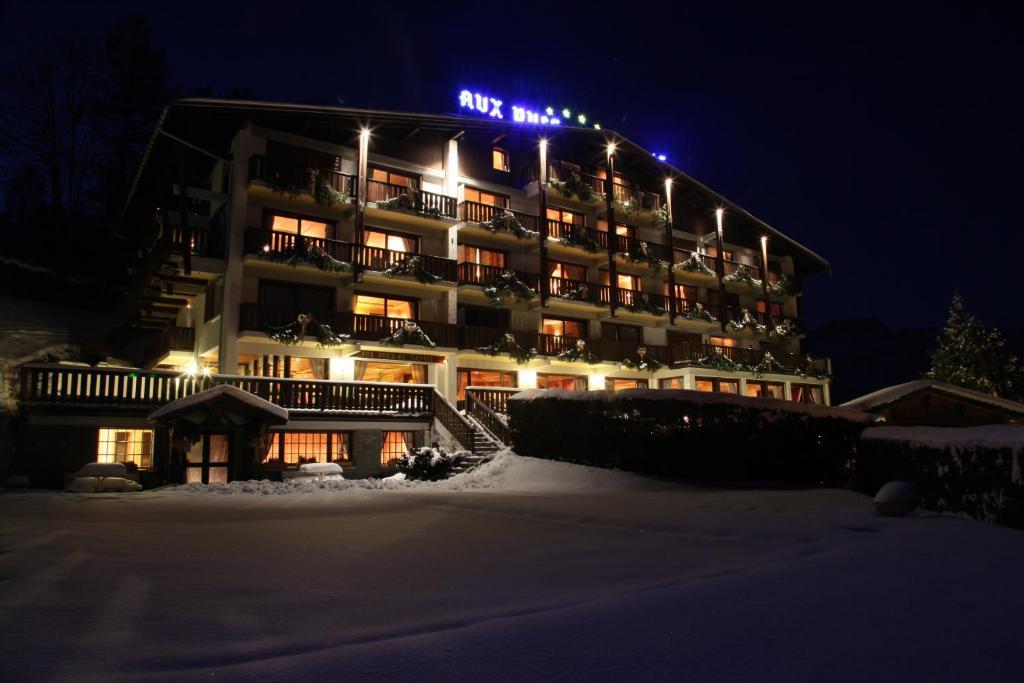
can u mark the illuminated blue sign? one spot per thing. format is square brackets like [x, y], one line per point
[491, 106]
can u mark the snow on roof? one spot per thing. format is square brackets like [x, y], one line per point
[218, 393]
[888, 395]
[990, 436]
[765, 404]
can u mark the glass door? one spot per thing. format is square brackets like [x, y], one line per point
[208, 459]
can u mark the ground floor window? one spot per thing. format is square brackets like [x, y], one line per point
[724, 386]
[295, 448]
[766, 389]
[671, 383]
[403, 373]
[469, 377]
[567, 382]
[395, 445]
[126, 445]
[807, 393]
[618, 383]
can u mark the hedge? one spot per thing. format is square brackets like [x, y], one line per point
[974, 471]
[688, 434]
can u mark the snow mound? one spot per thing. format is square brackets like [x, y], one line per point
[320, 468]
[505, 472]
[102, 485]
[985, 436]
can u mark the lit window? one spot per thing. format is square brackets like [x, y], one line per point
[722, 341]
[630, 282]
[705, 385]
[729, 386]
[126, 445]
[400, 373]
[299, 447]
[300, 226]
[385, 240]
[569, 271]
[483, 257]
[307, 368]
[671, 383]
[499, 159]
[395, 445]
[561, 216]
[472, 194]
[384, 306]
[566, 382]
[484, 378]
[618, 384]
[562, 328]
[391, 178]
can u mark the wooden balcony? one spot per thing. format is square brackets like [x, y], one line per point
[411, 199]
[636, 301]
[578, 290]
[649, 201]
[375, 258]
[572, 235]
[373, 328]
[558, 172]
[474, 336]
[202, 241]
[689, 353]
[484, 276]
[628, 245]
[475, 212]
[268, 171]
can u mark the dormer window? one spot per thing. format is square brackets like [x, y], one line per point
[499, 159]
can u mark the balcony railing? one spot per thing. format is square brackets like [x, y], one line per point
[371, 258]
[649, 201]
[644, 302]
[260, 318]
[483, 275]
[475, 212]
[627, 245]
[262, 168]
[569, 231]
[693, 352]
[495, 398]
[614, 350]
[475, 336]
[558, 172]
[419, 201]
[683, 255]
[578, 290]
[201, 241]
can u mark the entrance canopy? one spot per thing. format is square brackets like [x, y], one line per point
[222, 406]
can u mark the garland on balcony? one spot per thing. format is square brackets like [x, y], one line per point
[295, 332]
[784, 287]
[742, 276]
[639, 252]
[409, 200]
[765, 365]
[507, 344]
[643, 302]
[324, 193]
[411, 267]
[694, 264]
[579, 237]
[576, 186]
[747, 321]
[508, 285]
[295, 181]
[698, 312]
[719, 361]
[628, 208]
[787, 329]
[659, 217]
[311, 254]
[580, 293]
[505, 221]
[642, 361]
[408, 333]
[807, 369]
[579, 352]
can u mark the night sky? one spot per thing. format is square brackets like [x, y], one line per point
[886, 139]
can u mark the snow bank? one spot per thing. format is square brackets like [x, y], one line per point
[506, 472]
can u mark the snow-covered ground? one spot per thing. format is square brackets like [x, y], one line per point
[521, 570]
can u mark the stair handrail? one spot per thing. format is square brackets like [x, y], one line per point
[488, 419]
[452, 420]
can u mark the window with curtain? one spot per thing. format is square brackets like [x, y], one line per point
[569, 271]
[391, 307]
[671, 383]
[623, 281]
[725, 386]
[483, 257]
[686, 293]
[566, 382]
[723, 341]
[807, 393]
[382, 371]
[560, 327]
[564, 216]
[469, 377]
[620, 228]
[776, 308]
[125, 445]
[382, 239]
[299, 225]
[384, 175]
[471, 194]
[765, 389]
[307, 368]
[618, 384]
[395, 445]
[298, 447]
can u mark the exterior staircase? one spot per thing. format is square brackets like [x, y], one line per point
[484, 447]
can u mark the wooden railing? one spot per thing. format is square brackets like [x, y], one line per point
[260, 317]
[554, 344]
[683, 255]
[573, 290]
[452, 420]
[730, 267]
[475, 336]
[495, 398]
[687, 306]
[691, 352]
[475, 212]
[486, 416]
[635, 298]
[649, 201]
[420, 201]
[376, 258]
[201, 241]
[611, 350]
[261, 168]
[483, 275]
[559, 172]
[565, 230]
[625, 245]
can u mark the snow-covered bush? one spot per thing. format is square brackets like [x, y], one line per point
[974, 471]
[427, 463]
[688, 434]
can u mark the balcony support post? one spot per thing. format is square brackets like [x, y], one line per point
[671, 254]
[542, 208]
[768, 317]
[609, 201]
[361, 163]
[720, 266]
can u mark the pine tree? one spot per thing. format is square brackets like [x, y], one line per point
[973, 355]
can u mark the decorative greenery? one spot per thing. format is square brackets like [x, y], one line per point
[579, 352]
[427, 464]
[579, 237]
[695, 265]
[576, 186]
[306, 252]
[765, 365]
[746, 321]
[509, 285]
[698, 312]
[507, 344]
[808, 369]
[324, 193]
[643, 302]
[785, 286]
[786, 329]
[659, 217]
[409, 200]
[291, 182]
[579, 293]
[628, 208]
[642, 361]
[505, 221]
[719, 361]
[295, 332]
[742, 276]
[639, 252]
[411, 267]
[408, 333]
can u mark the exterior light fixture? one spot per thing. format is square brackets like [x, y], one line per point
[550, 111]
[597, 126]
[611, 148]
[566, 113]
[582, 118]
[661, 157]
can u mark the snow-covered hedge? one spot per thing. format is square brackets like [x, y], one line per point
[970, 470]
[428, 464]
[687, 434]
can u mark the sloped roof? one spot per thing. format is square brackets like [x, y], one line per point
[219, 400]
[889, 395]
